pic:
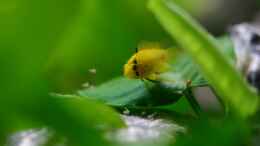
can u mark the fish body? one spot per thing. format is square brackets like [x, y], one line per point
[147, 63]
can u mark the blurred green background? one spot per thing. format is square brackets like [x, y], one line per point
[61, 40]
[50, 45]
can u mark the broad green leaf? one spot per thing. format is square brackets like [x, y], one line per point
[134, 92]
[206, 52]
[84, 122]
[81, 121]
[127, 92]
[103, 115]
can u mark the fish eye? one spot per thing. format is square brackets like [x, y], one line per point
[134, 67]
[135, 62]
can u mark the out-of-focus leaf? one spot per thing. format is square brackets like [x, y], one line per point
[80, 121]
[85, 122]
[103, 114]
[206, 52]
[204, 132]
[28, 32]
[227, 48]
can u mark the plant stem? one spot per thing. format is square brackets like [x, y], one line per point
[192, 101]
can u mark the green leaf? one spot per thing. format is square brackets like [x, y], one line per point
[188, 71]
[227, 48]
[84, 121]
[223, 132]
[103, 115]
[135, 92]
[206, 52]
[81, 121]
[128, 92]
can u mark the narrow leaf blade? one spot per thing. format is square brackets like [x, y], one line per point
[204, 50]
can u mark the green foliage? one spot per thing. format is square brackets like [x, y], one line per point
[69, 116]
[206, 52]
[48, 46]
[129, 92]
[80, 121]
[224, 132]
[76, 106]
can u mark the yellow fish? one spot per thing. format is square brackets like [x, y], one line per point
[147, 63]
